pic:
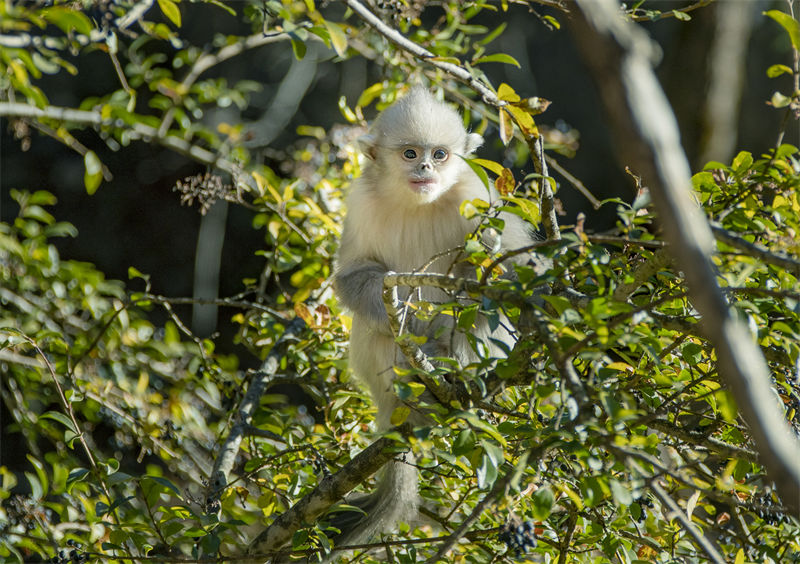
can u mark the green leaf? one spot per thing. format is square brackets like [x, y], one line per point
[166, 483]
[133, 272]
[76, 475]
[682, 16]
[61, 418]
[777, 70]
[620, 493]
[94, 172]
[464, 443]
[171, 10]
[779, 100]
[368, 95]
[416, 388]
[742, 162]
[726, 405]
[493, 34]
[486, 472]
[68, 20]
[479, 171]
[790, 24]
[543, 501]
[299, 47]
[497, 58]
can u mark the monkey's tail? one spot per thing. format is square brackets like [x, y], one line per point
[395, 500]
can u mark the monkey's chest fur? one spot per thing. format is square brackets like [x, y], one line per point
[419, 234]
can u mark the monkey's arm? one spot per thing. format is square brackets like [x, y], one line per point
[359, 286]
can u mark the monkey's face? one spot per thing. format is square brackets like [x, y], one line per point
[428, 171]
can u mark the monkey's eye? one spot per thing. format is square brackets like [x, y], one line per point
[440, 154]
[410, 154]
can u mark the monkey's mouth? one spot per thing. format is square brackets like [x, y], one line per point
[422, 185]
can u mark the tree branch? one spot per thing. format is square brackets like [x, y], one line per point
[330, 489]
[241, 426]
[620, 56]
[765, 255]
[708, 546]
[715, 445]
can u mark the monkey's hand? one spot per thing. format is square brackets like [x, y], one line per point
[359, 286]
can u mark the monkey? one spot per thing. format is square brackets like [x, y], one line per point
[403, 214]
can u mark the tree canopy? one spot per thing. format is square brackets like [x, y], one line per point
[649, 411]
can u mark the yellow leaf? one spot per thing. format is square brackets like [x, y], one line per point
[621, 366]
[496, 168]
[505, 183]
[506, 127]
[338, 38]
[171, 10]
[739, 557]
[302, 311]
[524, 120]
[400, 414]
[506, 93]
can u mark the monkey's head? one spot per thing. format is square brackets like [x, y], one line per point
[416, 144]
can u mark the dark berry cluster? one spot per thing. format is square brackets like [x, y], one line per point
[768, 508]
[72, 556]
[518, 536]
[643, 502]
[317, 462]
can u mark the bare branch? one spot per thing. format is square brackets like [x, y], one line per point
[757, 251]
[707, 545]
[241, 426]
[715, 445]
[331, 489]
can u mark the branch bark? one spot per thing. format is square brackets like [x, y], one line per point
[227, 453]
[620, 56]
[757, 251]
[331, 489]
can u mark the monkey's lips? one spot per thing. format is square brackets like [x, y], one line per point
[423, 185]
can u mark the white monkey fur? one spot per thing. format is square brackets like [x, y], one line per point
[395, 224]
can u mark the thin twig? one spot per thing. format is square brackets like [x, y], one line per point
[708, 546]
[579, 186]
[330, 489]
[230, 449]
[757, 251]
[715, 445]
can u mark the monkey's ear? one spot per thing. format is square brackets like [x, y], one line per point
[366, 143]
[473, 142]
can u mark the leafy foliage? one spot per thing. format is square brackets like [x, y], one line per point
[121, 420]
